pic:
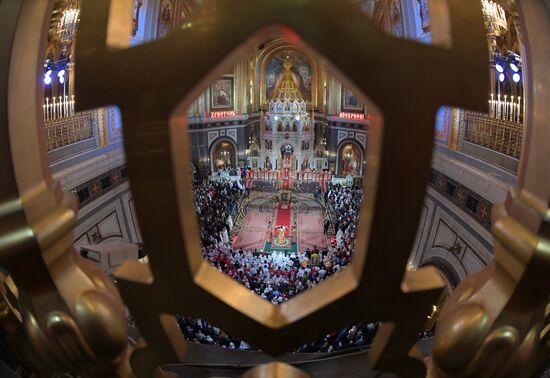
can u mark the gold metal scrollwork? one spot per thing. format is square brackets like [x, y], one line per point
[493, 324]
[72, 314]
[388, 70]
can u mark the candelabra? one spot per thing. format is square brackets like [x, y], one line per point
[506, 108]
[494, 17]
[68, 24]
[56, 108]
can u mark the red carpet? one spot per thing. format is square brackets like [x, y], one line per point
[285, 184]
[311, 231]
[283, 219]
[253, 232]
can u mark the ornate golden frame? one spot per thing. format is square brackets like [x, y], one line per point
[262, 59]
[156, 141]
[73, 316]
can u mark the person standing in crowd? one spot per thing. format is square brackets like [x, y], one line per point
[326, 226]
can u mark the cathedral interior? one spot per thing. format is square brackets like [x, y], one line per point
[261, 188]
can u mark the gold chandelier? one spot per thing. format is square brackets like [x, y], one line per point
[68, 23]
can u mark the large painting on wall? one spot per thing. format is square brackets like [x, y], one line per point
[422, 17]
[221, 94]
[301, 71]
[350, 101]
[351, 160]
[443, 120]
[166, 18]
[396, 19]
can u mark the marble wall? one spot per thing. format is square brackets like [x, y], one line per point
[450, 235]
[450, 239]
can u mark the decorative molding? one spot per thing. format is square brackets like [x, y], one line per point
[232, 134]
[107, 227]
[466, 199]
[361, 138]
[341, 136]
[213, 136]
[99, 185]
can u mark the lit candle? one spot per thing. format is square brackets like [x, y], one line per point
[47, 109]
[513, 109]
[54, 107]
[505, 106]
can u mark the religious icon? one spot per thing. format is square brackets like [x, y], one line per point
[301, 72]
[165, 19]
[305, 163]
[222, 94]
[166, 11]
[268, 162]
[395, 16]
[424, 15]
[350, 101]
[350, 160]
[135, 16]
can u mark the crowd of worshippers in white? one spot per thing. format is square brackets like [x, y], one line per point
[276, 277]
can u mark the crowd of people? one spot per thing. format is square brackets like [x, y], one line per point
[349, 337]
[345, 203]
[275, 277]
[359, 335]
[215, 204]
[197, 330]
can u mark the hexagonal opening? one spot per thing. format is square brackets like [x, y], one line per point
[279, 152]
[278, 180]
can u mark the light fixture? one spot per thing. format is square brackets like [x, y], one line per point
[516, 77]
[494, 17]
[48, 77]
[501, 77]
[514, 67]
[499, 67]
[61, 76]
[68, 23]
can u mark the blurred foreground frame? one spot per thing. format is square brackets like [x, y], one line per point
[407, 91]
[155, 134]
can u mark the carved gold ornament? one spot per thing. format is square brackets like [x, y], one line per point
[73, 315]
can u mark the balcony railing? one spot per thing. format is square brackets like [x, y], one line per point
[497, 134]
[62, 132]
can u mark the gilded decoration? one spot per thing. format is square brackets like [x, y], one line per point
[269, 66]
[207, 291]
[73, 315]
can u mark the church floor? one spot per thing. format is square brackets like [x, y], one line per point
[253, 223]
